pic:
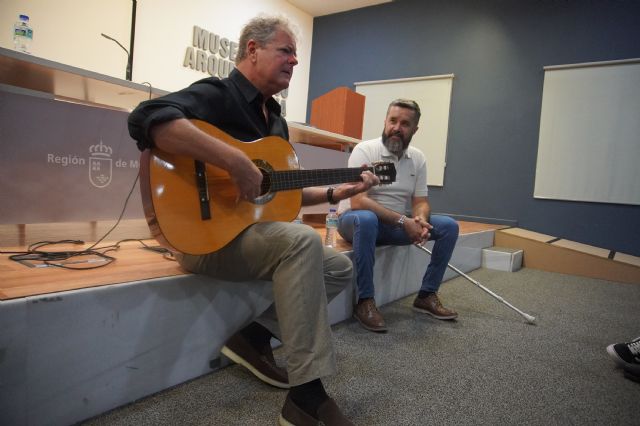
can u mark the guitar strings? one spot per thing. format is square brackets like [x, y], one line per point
[279, 180]
[295, 179]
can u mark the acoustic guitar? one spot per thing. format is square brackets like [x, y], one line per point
[193, 207]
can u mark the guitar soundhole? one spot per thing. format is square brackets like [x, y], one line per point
[265, 194]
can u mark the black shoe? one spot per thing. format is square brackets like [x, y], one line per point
[256, 358]
[627, 355]
[328, 414]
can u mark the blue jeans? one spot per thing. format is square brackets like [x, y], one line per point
[364, 231]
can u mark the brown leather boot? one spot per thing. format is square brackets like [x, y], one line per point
[368, 315]
[431, 305]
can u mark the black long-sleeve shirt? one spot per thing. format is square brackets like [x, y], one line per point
[232, 104]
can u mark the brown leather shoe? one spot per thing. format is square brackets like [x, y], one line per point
[328, 414]
[258, 359]
[431, 305]
[368, 315]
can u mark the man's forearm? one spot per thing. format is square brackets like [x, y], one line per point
[314, 195]
[183, 138]
[384, 214]
[422, 209]
[318, 195]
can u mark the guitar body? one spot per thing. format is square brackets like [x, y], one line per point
[171, 196]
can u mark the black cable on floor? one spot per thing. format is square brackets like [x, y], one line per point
[62, 259]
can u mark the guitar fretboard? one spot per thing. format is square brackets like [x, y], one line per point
[296, 179]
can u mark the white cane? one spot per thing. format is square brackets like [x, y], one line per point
[530, 319]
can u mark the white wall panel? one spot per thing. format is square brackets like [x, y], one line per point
[589, 143]
[433, 95]
[68, 31]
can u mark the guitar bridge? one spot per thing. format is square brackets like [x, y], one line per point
[203, 190]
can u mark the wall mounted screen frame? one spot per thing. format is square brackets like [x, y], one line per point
[589, 142]
[433, 94]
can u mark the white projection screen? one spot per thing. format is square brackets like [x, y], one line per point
[589, 143]
[433, 94]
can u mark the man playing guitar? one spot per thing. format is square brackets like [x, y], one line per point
[305, 274]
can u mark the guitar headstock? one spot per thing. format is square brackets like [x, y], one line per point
[385, 170]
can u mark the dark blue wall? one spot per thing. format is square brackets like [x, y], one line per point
[497, 50]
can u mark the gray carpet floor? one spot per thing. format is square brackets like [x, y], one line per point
[489, 367]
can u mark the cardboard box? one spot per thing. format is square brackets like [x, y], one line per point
[502, 258]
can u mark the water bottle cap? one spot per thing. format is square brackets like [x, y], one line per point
[24, 17]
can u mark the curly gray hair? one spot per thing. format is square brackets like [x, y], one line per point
[262, 29]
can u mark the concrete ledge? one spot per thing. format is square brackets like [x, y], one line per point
[71, 355]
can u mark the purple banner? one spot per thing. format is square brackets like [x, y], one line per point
[64, 162]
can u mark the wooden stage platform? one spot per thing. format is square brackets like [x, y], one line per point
[133, 261]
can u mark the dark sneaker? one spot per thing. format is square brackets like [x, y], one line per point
[328, 414]
[627, 355]
[259, 361]
[369, 316]
[431, 305]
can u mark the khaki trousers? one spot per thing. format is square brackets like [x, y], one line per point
[305, 274]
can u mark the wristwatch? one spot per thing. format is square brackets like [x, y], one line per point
[400, 222]
[330, 195]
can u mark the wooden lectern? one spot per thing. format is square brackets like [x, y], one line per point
[340, 111]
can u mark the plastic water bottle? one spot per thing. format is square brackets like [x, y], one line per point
[22, 34]
[331, 224]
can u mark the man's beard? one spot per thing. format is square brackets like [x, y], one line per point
[396, 145]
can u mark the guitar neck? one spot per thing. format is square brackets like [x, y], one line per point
[297, 179]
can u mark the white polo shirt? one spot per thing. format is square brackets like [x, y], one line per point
[411, 176]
